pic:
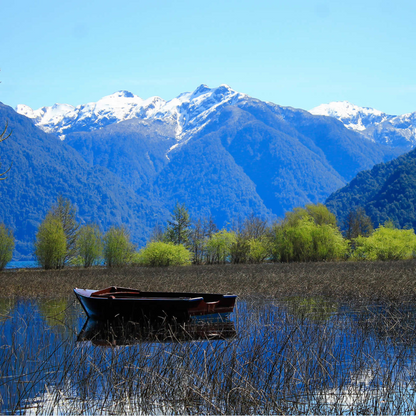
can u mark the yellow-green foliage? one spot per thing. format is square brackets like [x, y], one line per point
[386, 243]
[259, 249]
[306, 240]
[118, 250]
[89, 245]
[157, 254]
[318, 212]
[219, 246]
[50, 245]
[6, 246]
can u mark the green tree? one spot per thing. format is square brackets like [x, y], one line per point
[118, 250]
[318, 212]
[308, 237]
[260, 249]
[178, 228]
[219, 246]
[386, 243]
[6, 246]
[240, 249]
[357, 224]
[90, 244]
[66, 213]
[159, 254]
[4, 136]
[50, 245]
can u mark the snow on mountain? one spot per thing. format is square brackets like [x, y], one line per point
[396, 131]
[352, 116]
[188, 112]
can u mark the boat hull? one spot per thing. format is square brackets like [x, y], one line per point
[129, 304]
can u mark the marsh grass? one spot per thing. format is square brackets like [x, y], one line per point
[352, 362]
[336, 280]
[328, 338]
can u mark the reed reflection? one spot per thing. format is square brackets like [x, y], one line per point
[118, 332]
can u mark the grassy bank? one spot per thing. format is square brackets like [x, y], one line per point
[338, 280]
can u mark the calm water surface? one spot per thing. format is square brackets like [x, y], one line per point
[22, 264]
[308, 356]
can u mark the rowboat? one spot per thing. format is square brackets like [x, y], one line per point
[120, 302]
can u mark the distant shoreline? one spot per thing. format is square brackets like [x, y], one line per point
[25, 264]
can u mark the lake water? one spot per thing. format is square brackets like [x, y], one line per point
[308, 356]
[21, 264]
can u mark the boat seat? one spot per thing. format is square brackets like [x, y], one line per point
[115, 294]
[211, 305]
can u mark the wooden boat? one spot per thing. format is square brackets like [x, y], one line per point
[120, 302]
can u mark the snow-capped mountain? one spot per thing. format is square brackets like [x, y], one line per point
[396, 131]
[233, 155]
[352, 116]
[188, 112]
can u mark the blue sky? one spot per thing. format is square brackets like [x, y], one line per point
[298, 53]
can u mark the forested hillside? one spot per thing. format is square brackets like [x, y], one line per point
[386, 192]
[43, 168]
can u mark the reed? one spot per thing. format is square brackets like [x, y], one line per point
[357, 361]
[337, 280]
[310, 338]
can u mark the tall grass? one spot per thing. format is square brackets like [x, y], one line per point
[337, 280]
[281, 361]
[318, 338]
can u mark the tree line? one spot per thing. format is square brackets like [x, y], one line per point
[305, 234]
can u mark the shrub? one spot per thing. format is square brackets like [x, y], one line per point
[386, 243]
[157, 254]
[6, 246]
[50, 245]
[118, 250]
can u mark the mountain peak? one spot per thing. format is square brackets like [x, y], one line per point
[188, 111]
[340, 109]
[202, 89]
[352, 116]
[121, 95]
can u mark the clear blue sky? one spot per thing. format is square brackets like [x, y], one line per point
[298, 53]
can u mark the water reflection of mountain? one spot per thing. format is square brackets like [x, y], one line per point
[116, 333]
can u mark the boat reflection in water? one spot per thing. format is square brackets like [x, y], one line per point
[118, 332]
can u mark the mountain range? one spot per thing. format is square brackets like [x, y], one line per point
[126, 160]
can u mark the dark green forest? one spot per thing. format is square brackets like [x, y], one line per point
[386, 192]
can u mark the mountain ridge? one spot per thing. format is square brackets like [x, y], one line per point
[222, 153]
[189, 111]
[392, 130]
